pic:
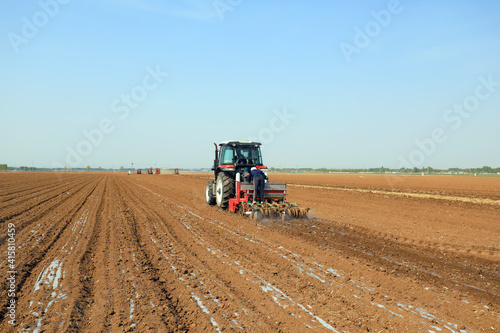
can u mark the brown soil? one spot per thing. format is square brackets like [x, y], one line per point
[102, 252]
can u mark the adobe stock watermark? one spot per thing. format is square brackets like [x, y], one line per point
[277, 124]
[223, 6]
[11, 273]
[31, 26]
[363, 37]
[121, 107]
[454, 117]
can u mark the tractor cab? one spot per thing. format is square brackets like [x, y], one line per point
[240, 154]
[237, 156]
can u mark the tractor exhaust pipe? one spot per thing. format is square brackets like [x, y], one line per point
[216, 160]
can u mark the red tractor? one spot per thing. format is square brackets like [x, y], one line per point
[157, 171]
[231, 189]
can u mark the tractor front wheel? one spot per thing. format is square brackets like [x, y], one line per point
[209, 193]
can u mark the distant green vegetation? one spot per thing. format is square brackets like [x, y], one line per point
[87, 168]
[429, 170]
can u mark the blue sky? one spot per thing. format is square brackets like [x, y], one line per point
[321, 83]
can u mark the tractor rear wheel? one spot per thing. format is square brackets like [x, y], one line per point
[209, 193]
[224, 190]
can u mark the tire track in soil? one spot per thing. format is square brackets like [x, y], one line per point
[28, 261]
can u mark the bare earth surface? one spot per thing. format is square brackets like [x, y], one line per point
[104, 252]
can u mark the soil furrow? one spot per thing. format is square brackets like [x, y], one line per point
[39, 209]
[172, 317]
[84, 298]
[30, 259]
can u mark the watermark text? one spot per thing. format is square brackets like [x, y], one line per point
[31, 26]
[277, 124]
[11, 273]
[364, 36]
[121, 107]
[454, 117]
[223, 6]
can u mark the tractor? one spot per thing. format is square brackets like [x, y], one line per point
[232, 188]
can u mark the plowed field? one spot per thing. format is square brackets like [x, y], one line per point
[109, 252]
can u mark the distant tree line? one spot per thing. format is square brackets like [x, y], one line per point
[483, 170]
[88, 168]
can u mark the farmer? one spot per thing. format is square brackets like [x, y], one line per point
[258, 184]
